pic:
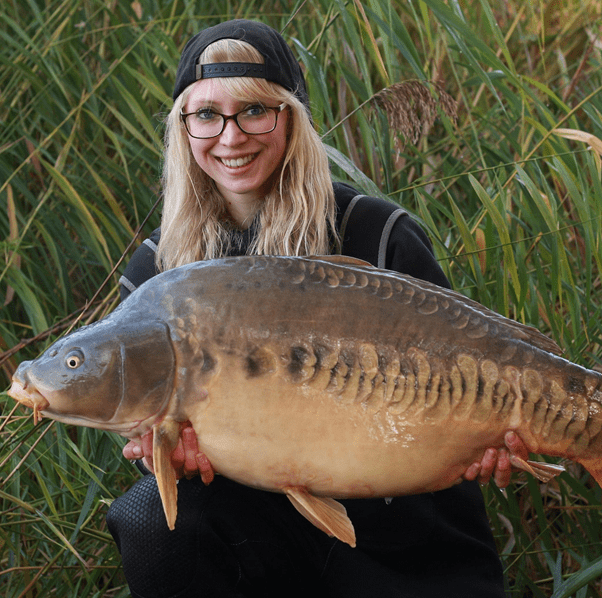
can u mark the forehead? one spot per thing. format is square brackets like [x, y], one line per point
[212, 92]
[207, 91]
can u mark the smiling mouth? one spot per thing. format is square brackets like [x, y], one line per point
[238, 162]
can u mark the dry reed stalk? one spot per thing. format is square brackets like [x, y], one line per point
[412, 107]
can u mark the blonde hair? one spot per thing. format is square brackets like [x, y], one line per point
[297, 217]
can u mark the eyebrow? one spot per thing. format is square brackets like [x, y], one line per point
[216, 105]
[202, 103]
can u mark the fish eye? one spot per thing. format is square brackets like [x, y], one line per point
[74, 359]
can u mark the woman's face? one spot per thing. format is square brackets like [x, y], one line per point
[241, 165]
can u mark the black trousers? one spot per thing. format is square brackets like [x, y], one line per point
[234, 541]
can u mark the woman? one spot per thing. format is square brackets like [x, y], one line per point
[245, 173]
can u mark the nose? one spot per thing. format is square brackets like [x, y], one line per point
[232, 134]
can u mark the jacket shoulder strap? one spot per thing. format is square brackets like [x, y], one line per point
[373, 219]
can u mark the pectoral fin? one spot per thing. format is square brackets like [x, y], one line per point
[325, 513]
[165, 439]
[544, 472]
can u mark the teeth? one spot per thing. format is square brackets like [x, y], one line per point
[238, 162]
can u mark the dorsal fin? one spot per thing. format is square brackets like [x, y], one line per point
[341, 260]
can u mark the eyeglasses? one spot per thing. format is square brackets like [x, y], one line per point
[254, 120]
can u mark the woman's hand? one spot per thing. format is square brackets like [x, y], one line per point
[186, 458]
[496, 462]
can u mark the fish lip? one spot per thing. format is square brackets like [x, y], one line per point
[30, 397]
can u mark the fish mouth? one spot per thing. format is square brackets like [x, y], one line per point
[30, 397]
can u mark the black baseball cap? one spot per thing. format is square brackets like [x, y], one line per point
[280, 66]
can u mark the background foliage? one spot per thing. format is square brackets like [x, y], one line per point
[512, 204]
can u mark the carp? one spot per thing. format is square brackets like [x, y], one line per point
[322, 378]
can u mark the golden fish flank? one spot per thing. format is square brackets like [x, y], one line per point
[320, 378]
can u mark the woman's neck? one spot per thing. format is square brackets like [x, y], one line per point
[241, 219]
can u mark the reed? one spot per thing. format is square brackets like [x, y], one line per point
[506, 179]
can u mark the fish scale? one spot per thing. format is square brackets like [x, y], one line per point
[321, 378]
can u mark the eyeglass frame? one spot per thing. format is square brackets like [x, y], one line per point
[234, 117]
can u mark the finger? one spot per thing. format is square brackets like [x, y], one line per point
[503, 470]
[147, 449]
[516, 446]
[472, 472]
[178, 457]
[488, 463]
[132, 450]
[190, 447]
[205, 467]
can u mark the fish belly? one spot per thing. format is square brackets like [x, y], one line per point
[271, 435]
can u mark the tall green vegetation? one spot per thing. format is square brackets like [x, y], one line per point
[509, 190]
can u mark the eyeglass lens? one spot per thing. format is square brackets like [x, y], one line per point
[254, 120]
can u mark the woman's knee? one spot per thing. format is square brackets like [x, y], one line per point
[229, 540]
[157, 562]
